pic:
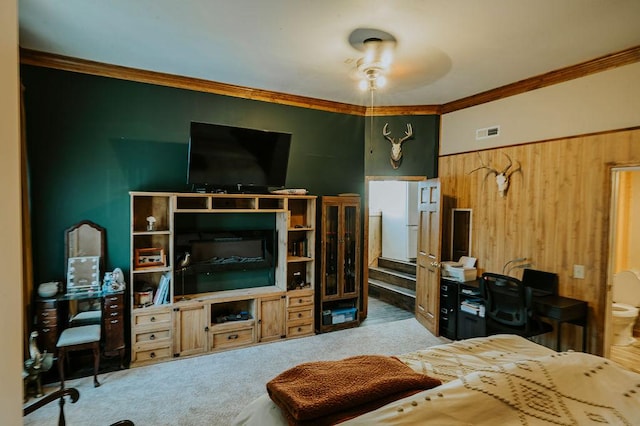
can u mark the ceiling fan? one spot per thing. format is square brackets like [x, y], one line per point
[385, 63]
[378, 48]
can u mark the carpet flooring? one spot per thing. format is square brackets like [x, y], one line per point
[212, 389]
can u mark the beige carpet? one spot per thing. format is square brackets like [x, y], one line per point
[212, 389]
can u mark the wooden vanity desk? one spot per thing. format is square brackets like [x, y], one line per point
[52, 317]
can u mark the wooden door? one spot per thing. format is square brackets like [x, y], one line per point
[190, 330]
[428, 254]
[272, 318]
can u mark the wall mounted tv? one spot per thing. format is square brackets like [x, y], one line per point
[235, 159]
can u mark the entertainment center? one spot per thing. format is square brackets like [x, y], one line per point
[237, 269]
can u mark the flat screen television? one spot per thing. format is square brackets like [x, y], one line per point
[236, 159]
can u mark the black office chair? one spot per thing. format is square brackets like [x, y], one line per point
[508, 307]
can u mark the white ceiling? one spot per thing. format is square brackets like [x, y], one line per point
[446, 49]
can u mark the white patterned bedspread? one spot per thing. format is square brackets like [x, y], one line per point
[500, 380]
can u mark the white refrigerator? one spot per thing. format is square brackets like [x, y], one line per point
[399, 207]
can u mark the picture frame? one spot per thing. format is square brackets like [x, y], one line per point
[149, 257]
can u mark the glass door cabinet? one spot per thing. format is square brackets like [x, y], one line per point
[340, 266]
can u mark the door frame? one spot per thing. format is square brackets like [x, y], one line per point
[613, 185]
[365, 237]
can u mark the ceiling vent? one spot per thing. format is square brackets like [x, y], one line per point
[488, 132]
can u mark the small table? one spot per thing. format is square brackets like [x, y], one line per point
[563, 309]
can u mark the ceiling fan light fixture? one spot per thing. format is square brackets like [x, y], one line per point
[375, 63]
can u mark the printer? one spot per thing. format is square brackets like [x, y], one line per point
[463, 270]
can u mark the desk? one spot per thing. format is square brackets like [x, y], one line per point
[560, 309]
[563, 309]
[52, 317]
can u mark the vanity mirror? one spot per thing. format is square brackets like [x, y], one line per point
[85, 260]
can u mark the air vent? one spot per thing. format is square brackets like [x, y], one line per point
[487, 132]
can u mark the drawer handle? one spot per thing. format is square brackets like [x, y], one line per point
[114, 314]
[113, 306]
[299, 315]
[115, 321]
[232, 337]
[45, 322]
[299, 328]
[152, 337]
[46, 330]
[153, 319]
[113, 299]
[299, 300]
[152, 355]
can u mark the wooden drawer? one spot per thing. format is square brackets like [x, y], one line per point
[300, 329]
[47, 317]
[157, 336]
[299, 314]
[113, 334]
[300, 299]
[230, 339]
[46, 304]
[111, 315]
[152, 320]
[48, 338]
[152, 354]
[113, 302]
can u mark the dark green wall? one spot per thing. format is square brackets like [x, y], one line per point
[419, 154]
[92, 139]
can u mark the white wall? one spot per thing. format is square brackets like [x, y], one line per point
[603, 101]
[10, 220]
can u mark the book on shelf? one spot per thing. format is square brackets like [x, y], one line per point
[163, 290]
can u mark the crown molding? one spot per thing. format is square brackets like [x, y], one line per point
[66, 63]
[613, 60]
[379, 111]
[83, 66]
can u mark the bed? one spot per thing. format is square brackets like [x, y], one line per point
[501, 379]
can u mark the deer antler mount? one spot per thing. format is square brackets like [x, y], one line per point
[502, 177]
[396, 145]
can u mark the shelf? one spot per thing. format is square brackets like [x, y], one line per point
[343, 325]
[152, 269]
[162, 232]
[150, 308]
[231, 325]
[188, 323]
[293, 259]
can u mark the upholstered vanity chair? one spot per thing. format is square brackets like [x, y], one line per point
[79, 338]
[84, 329]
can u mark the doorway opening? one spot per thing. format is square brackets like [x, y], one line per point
[622, 329]
[390, 235]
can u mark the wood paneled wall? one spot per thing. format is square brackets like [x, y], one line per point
[556, 212]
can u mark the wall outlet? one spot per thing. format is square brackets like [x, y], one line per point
[578, 271]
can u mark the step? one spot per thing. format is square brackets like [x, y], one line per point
[391, 276]
[398, 265]
[395, 295]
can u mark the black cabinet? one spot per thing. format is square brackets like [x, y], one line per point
[461, 310]
[448, 308]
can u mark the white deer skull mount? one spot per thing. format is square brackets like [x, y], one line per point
[396, 146]
[502, 177]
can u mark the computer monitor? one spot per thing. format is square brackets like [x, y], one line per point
[543, 283]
